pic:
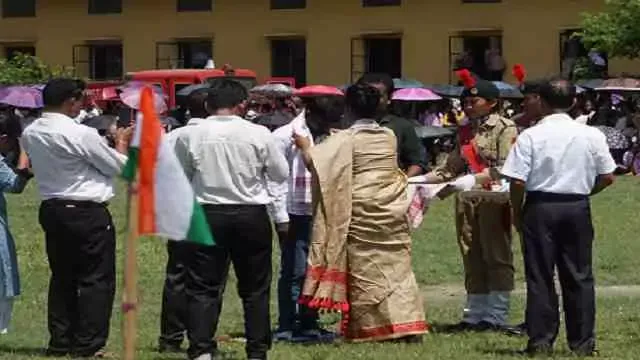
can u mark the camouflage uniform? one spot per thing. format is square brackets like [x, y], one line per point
[483, 222]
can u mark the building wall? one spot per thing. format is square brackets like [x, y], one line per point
[241, 29]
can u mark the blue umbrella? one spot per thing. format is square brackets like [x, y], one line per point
[446, 90]
[508, 91]
[407, 83]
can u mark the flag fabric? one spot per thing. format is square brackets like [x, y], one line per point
[166, 202]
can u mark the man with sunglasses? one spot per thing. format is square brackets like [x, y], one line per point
[74, 169]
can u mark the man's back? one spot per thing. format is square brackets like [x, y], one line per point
[229, 159]
[563, 156]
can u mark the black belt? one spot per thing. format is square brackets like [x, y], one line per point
[86, 204]
[536, 196]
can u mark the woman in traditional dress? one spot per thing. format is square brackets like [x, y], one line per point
[360, 255]
[12, 181]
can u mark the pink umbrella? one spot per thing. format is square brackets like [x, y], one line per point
[318, 90]
[22, 97]
[415, 94]
[131, 98]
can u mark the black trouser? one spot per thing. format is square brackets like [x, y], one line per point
[243, 236]
[174, 299]
[81, 241]
[557, 231]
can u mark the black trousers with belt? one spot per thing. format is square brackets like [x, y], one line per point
[80, 243]
[557, 231]
[174, 298]
[243, 237]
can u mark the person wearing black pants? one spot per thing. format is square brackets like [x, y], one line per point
[243, 238]
[174, 301]
[74, 169]
[230, 162]
[553, 168]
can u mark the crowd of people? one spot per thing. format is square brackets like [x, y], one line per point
[334, 175]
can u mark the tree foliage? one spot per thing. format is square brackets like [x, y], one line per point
[29, 70]
[616, 30]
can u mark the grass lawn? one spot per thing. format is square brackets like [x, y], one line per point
[436, 263]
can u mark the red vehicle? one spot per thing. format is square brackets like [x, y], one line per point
[174, 80]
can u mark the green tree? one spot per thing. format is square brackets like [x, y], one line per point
[616, 30]
[28, 70]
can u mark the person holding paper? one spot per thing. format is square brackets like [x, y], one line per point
[483, 220]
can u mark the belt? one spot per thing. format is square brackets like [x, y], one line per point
[86, 204]
[537, 196]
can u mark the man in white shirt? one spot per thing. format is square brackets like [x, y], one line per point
[230, 161]
[174, 299]
[74, 169]
[559, 163]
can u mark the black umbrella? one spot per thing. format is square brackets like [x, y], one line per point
[274, 120]
[102, 122]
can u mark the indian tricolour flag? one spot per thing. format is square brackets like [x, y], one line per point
[166, 202]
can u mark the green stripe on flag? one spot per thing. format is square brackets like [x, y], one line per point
[199, 231]
[130, 168]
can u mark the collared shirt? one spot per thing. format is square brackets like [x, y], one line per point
[230, 160]
[410, 150]
[70, 161]
[560, 156]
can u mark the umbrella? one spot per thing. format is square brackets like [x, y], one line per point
[318, 90]
[619, 84]
[39, 86]
[580, 89]
[187, 90]
[103, 94]
[273, 89]
[131, 98]
[415, 94]
[22, 97]
[508, 91]
[590, 83]
[407, 83]
[274, 120]
[431, 132]
[446, 90]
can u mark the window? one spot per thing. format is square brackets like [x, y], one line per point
[288, 4]
[105, 6]
[10, 51]
[18, 8]
[478, 52]
[376, 3]
[380, 54]
[194, 5]
[98, 61]
[289, 59]
[577, 60]
[184, 54]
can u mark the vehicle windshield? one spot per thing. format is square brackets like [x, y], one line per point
[247, 82]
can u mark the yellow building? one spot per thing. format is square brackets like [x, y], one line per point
[317, 41]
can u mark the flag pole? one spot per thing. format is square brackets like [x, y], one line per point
[130, 295]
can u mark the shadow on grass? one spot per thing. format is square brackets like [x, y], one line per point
[22, 350]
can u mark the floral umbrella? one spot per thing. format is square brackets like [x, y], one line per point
[22, 97]
[415, 94]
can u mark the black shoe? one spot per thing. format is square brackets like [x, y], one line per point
[505, 329]
[534, 351]
[462, 326]
[167, 348]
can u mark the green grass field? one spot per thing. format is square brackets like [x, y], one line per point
[436, 263]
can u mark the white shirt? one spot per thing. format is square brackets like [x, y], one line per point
[230, 160]
[559, 155]
[70, 161]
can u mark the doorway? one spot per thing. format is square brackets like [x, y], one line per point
[384, 55]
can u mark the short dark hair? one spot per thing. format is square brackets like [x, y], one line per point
[10, 125]
[378, 78]
[226, 94]
[363, 101]
[327, 108]
[59, 90]
[558, 94]
[196, 102]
